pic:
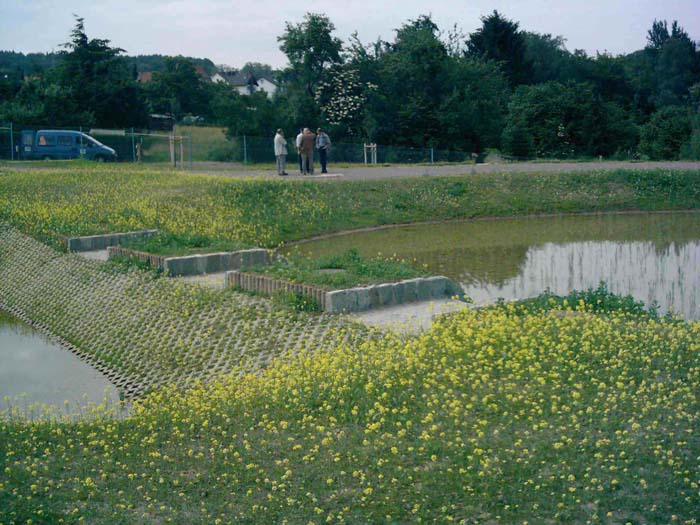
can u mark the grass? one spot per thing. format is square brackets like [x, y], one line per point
[223, 213]
[344, 270]
[165, 243]
[561, 410]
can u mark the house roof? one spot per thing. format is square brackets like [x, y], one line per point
[145, 76]
[269, 80]
[202, 72]
[238, 79]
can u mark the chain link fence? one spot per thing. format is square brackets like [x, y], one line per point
[188, 146]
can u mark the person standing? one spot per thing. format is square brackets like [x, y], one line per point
[323, 145]
[281, 152]
[298, 143]
[308, 140]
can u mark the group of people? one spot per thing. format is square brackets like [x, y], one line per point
[306, 141]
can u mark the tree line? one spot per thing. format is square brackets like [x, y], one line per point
[499, 87]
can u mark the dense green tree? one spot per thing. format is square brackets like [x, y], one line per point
[500, 39]
[243, 114]
[311, 50]
[179, 89]
[565, 120]
[667, 131]
[412, 74]
[259, 70]
[98, 79]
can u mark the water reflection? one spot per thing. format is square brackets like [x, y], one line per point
[36, 372]
[667, 276]
[654, 257]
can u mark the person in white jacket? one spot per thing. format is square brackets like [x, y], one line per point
[281, 153]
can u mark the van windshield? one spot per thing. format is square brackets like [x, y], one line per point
[90, 141]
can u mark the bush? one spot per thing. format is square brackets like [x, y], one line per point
[665, 133]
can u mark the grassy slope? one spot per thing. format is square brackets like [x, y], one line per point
[491, 417]
[89, 199]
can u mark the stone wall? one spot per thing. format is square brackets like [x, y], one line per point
[388, 294]
[101, 242]
[353, 299]
[199, 263]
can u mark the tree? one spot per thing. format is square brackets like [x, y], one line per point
[500, 40]
[310, 49]
[411, 77]
[667, 131]
[259, 70]
[97, 79]
[179, 89]
[565, 120]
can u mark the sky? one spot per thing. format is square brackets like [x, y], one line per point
[234, 32]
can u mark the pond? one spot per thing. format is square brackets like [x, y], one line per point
[652, 256]
[35, 371]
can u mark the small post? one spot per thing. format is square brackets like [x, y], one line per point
[12, 143]
[133, 146]
[182, 152]
[432, 156]
[190, 149]
[245, 150]
[171, 143]
[364, 151]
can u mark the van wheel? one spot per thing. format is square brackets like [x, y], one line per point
[99, 158]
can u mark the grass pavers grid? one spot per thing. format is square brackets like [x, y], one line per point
[143, 332]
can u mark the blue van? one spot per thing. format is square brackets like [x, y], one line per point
[49, 144]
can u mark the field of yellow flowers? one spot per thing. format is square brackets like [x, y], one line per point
[247, 412]
[493, 416]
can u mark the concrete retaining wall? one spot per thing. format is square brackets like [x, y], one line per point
[388, 294]
[216, 262]
[100, 242]
[353, 299]
[199, 263]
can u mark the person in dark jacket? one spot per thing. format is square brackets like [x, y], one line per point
[323, 145]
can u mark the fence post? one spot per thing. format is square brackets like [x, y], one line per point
[432, 157]
[133, 146]
[171, 143]
[245, 151]
[182, 152]
[12, 143]
[190, 149]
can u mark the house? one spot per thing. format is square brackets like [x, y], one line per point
[246, 84]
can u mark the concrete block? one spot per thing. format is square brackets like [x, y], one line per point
[386, 294]
[437, 286]
[215, 262]
[339, 301]
[363, 299]
[407, 291]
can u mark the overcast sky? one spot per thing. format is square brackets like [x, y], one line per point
[234, 32]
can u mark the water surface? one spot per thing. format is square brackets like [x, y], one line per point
[36, 371]
[652, 256]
